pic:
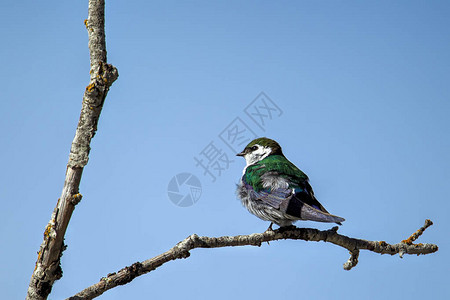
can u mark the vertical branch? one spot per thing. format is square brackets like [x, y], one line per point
[102, 75]
[96, 30]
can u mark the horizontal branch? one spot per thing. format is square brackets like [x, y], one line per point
[181, 250]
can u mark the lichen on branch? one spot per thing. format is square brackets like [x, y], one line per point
[183, 248]
[102, 75]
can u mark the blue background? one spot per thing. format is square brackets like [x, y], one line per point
[364, 90]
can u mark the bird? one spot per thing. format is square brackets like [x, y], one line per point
[274, 189]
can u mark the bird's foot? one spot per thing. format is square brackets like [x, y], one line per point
[270, 227]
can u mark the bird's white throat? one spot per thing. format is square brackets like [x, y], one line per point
[259, 154]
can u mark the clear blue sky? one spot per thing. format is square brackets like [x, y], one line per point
[363, 89]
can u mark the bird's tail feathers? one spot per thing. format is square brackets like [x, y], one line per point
[310, 213]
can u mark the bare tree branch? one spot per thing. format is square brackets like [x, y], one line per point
[102, 75]
[181, 250]
[48, 269]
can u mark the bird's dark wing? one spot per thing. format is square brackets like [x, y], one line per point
[306, 195]
[277, 182]
[294, 204]
[274, 198]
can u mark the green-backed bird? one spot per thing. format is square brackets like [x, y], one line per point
[274, 189]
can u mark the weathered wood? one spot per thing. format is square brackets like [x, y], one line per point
[102, 75]
[181, 250]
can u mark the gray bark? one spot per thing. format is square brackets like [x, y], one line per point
[182, 250]
[48, 269]
[102, 75]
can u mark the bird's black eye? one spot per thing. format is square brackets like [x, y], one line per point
[254, 148]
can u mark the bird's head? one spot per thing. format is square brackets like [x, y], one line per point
[259, 149]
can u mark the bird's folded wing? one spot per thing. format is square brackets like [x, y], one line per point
[292, 204]
[274, 197]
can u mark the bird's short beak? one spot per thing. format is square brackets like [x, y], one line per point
[241, 153]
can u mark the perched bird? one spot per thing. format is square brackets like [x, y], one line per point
[274, 189]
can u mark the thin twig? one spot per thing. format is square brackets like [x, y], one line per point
[418, 233]
[181, 250]
[102, 75]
